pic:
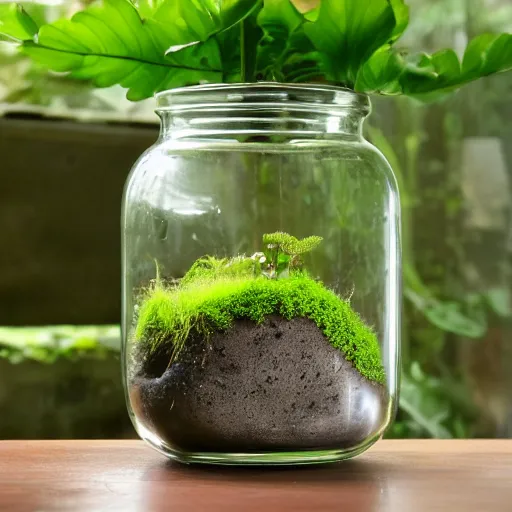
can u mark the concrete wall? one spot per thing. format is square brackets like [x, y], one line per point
[80, 399]
[60, 192]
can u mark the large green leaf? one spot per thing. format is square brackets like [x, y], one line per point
[147, 8]
[111, 44]
[302, 63]
[15, 23]
[350, 32]
[431, 76]
[401, 12]
[283, 51]
[171, 43]
[236, 41]
[278, 19]
[381, 73]
[442, 72]
[278, 14]
[203, 18]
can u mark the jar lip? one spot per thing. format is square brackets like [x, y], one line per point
[312, 95]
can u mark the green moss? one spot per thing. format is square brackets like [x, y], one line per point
[208, 301]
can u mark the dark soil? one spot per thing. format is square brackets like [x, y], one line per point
[275, 386]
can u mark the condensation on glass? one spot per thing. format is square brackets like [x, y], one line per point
[232, 163]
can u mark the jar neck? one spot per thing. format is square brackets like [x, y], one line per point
[262, 112]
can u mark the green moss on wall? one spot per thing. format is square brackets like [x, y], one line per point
[48, 344]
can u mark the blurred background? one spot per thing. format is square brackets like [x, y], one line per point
[66, 150]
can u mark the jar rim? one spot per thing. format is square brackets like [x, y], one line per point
[310, 95]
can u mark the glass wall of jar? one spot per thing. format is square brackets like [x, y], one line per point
[261, 277]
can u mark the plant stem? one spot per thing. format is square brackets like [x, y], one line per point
[243, 63]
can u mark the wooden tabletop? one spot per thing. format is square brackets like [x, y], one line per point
[127, 476]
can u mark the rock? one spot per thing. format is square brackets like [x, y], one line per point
[276, 386]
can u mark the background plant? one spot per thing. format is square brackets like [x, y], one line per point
[456, 333]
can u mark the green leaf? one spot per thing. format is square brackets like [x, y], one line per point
[303, 246]
[15, 23]
[419, 398]
[442, 72]
[250, 34]
[283, 262]
[499, 300]
[278, 238]
[312, 14]
[468, 320]
[170, 43]
[424, 72]
[381, 73]
[350, 32]
[401, 13]
[301, 62]
[238, 39]
[430, 77]
[201, 19]
[433, 406]
[229, 45]
[279, 13]
[278, 20]
[110, 44]
[147, 8]
[486, 54]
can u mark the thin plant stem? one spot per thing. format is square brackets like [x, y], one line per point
[243, 64]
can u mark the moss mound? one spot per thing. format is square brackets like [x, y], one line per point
[209, 300]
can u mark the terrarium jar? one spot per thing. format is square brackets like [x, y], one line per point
[261, 288]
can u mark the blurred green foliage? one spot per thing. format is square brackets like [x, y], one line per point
[47, 344]
[455, 309]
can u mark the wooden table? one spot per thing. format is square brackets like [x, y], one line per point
[394, 476]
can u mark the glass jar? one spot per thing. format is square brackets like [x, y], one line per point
[261, 288]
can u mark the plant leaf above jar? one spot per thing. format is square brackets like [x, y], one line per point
[149, 47]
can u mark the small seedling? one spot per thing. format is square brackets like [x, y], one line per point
[282, 253]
